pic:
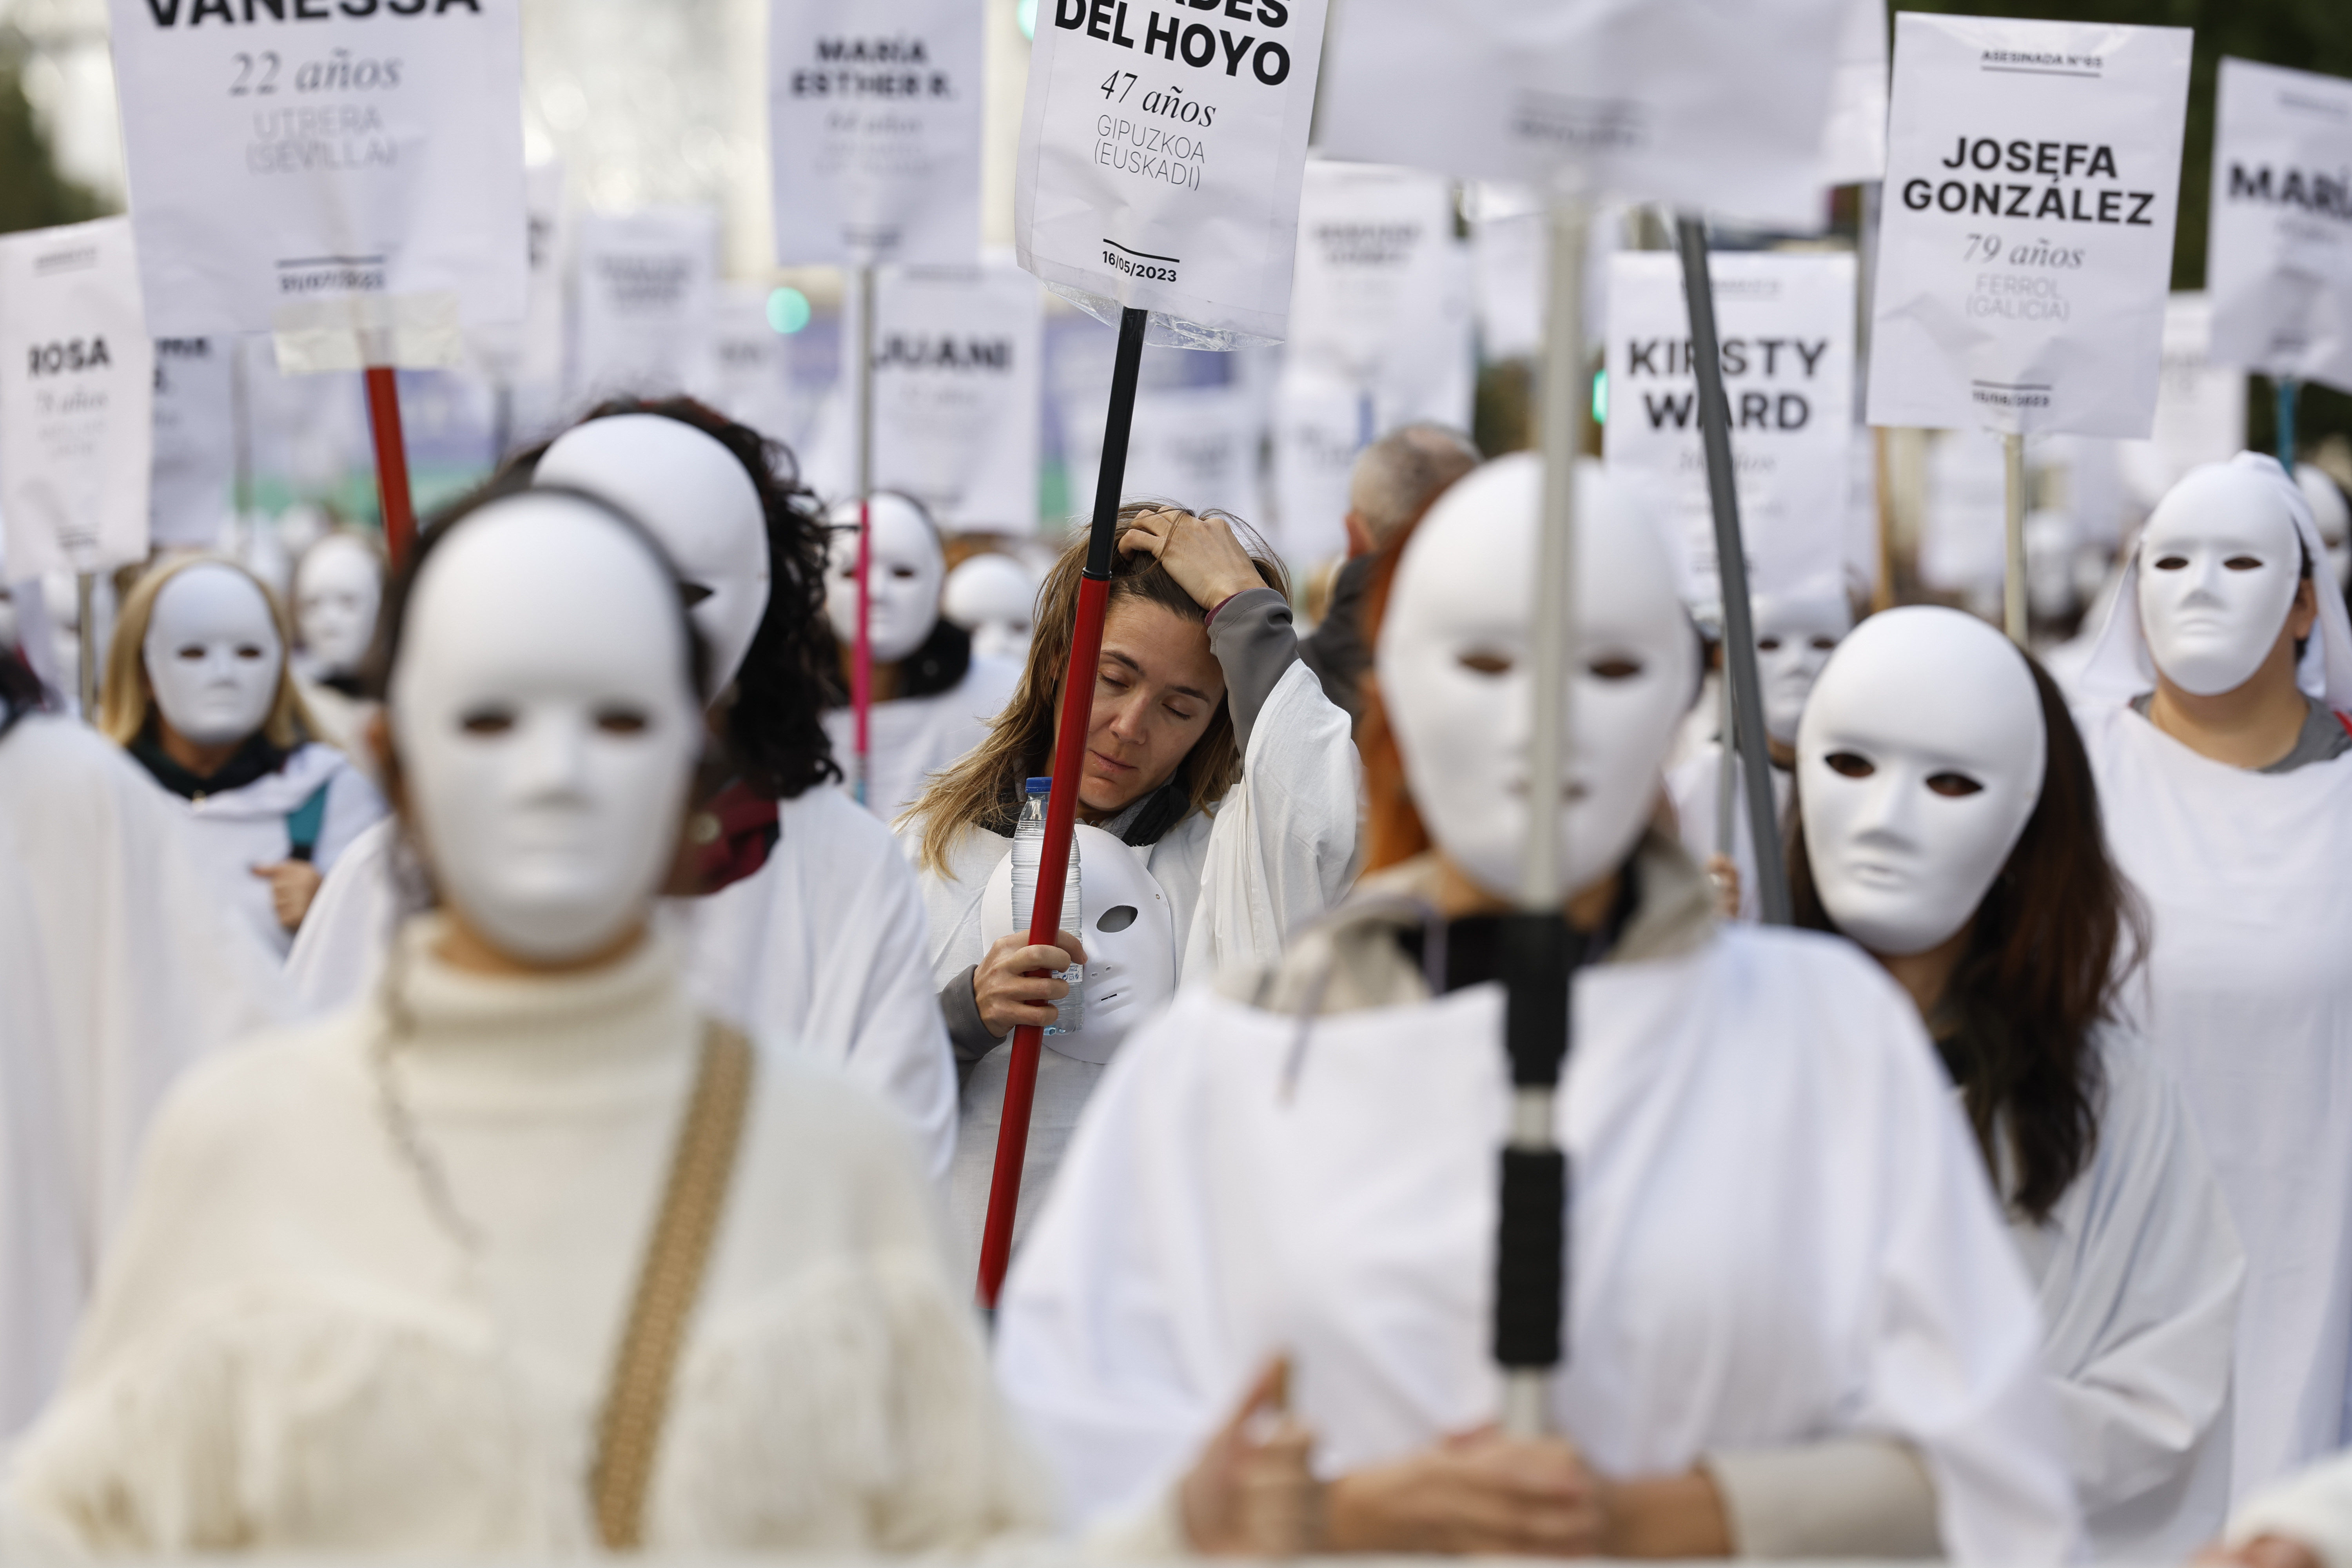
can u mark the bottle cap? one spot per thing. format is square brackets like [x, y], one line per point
[1040, 786]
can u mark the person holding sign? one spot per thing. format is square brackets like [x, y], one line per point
[934, 699]
[1214, 765]
[1951, 827]
[200, 691]
[2213, 710]
[1771, 1356]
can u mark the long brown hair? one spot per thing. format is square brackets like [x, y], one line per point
[985, 787]
[2016, 1020]
[129, 701]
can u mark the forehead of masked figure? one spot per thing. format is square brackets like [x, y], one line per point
[1919, 762]
[1454, 666]
[543, 707]
[905, 573]
[2219, 562]
[694, 496]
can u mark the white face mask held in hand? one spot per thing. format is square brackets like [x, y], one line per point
[337, 590]
[2218, 561]
[1454, 668]
[692, 495]
[1919, 764]
[1795, 635]
[546, 720]
[903, 578]
[212, 655]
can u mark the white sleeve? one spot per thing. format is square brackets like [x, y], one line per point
[1283, 847]
[897, 1040]
[2312, 1506]
[343, 937]
[353, 805]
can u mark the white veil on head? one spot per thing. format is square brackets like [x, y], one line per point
[2120, 666]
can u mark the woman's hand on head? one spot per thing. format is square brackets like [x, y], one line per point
[1008, 992]
[1482, 1493]
[1200, 552]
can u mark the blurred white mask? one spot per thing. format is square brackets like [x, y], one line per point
[1456, 675]
[212, 655]
[337, 589]
[1795, 635]
[2218, 566]
[547, 724]
[1919, 764]
[903, 578]
[2333, 515]
[692, 495]
[994, 597]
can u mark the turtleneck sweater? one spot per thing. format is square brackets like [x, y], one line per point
[376, 1269]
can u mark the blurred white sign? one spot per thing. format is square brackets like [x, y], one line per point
[643, 285]
[2278, 256]
[195, 461]
[1196, 446]
[2200, 406]
[531, 351]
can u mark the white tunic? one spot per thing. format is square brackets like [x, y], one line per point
[291, 1352]
[2138, 1271]
[139, 976]
[1781, 1231]
[821, 950]
[911, 737]
[1276, 853]
[238, 829]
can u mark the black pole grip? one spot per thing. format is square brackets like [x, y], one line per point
[1112, 478]
[1531, 1259]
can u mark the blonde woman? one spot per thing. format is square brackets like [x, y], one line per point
[1217, 805]
[197, 689]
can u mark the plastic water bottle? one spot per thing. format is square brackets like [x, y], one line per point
[1028, 848]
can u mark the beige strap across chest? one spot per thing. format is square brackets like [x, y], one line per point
[628, 1432]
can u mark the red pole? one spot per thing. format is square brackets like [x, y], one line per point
[391, 462]
[1062, 805]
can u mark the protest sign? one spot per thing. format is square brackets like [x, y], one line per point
[2025, 245]
[77, 399]
[873, 120]
[2278, 254]
[2200, 406]
[644, 284]
[531, 351]
[349, 176]
[1786, 324]
[194, 465]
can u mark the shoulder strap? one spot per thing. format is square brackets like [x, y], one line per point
[304, 822]
[628, 1432]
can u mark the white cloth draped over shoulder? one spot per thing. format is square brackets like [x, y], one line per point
[294, 1348]
[911, 737]
[2245, 999]
[141, 974]
[1780, 1230]
[2138, 1271]
[1275, 855]
[240, 828]
[821, 950]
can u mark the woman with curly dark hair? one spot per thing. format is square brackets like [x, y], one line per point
[804, 923]
[1949, 824]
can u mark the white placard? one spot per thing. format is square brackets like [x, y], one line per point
[1963, 527]
[2278, 254]
[2200, 406]
[645, 283]
[195, 461]
[1161, 149]
[1686, 101]
[2025, 241]
[747, 370]
[958, 398]
[1196, 446]
[530, 351]
[1787, 327]
[77, 399]
[313, 168]
[874, 131]
[1854, 142]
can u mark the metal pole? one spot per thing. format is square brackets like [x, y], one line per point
[2288, 390]
[2012, 577]
[391, 462]
[861, 658]
[86, 609]
[1731, 563]
[1062, 805]
[1726, 793]
[240, 414]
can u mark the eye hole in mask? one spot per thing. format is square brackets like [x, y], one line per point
[193, 652]
[1616, 668]
[1486, 663]
[623, 720]
[251, 652]
[1825, 645]
[2242, 563]
[487, 722]
[1117, 920]
[2171, 563]
[1851, 764]
[1768, 645]
[1954, 786]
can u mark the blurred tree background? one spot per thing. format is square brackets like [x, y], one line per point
[32, 193]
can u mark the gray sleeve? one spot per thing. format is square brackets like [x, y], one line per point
[1255, 644]
[966, 1035]
[1841, 1497]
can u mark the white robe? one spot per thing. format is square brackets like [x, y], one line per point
[1691, 785]
[1781, 1231]
[141, 974]
[290, 1352]
[238, 829]
[2138, 1271]
[1276, 853]
[821, 950]
[911, 737]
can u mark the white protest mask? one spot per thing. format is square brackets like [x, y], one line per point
[2218, 561]
[994, 598]
[692, 494]
[2333, 514]
[904, 576]
[1457, 678]
[1796, 632]
[213, 654]
[1129, 930]
[547, 724]
[337, 589]
[1919, 764]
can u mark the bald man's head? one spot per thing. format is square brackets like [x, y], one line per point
[1397, 476]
